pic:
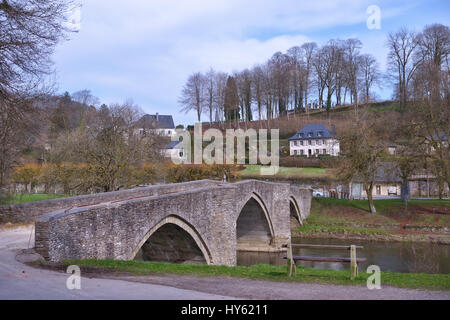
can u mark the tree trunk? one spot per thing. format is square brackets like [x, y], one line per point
[405, 192]
[370, 198]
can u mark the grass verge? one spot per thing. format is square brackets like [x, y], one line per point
[252, 171]
[264, 272]
[18, 198]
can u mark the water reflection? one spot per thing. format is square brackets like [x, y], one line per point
[392, 256]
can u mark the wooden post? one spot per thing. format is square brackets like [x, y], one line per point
[353, 263]
[290, 261]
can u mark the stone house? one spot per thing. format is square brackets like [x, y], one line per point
[388, 183]
[314, 140]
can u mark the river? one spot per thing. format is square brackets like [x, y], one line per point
[414, 257]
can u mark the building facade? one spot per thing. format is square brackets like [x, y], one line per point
[314, 140]
[175, 150]
[156, 124]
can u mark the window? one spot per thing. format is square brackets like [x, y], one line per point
[317, 151]
[181, 154]
[169, 132]
[301, 152]
[378, 190]
[301, 142]
[324, 151]
[309, 142]
[319, 142]
[320, 134]
[310, 134]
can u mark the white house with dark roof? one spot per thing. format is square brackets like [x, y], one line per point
[175, 150]
[313, 140]
[156, 123]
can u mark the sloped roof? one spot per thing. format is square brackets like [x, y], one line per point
[174, 145]
[153, 121]
[315, 129]
[386, 172]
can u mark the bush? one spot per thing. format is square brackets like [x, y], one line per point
[303, 161]
[191, 172]
[27, 175]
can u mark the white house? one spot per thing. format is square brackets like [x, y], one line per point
[156, 123]
[175, 150]
[314, 140]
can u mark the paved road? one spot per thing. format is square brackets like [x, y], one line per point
[18, 281]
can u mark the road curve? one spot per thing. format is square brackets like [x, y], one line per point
[19, 281]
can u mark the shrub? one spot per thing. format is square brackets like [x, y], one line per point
[191, 172]
[27, 175]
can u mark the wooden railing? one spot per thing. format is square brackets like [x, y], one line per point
[353, 260]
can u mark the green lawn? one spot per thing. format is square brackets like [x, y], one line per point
[342, 217]
[30, 197]
[266, 272]
[382, 205]
[288, 172]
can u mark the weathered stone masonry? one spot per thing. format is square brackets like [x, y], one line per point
[207, 210]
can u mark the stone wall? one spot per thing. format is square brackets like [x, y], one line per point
[28, 212]
[208, 214]
[424, 188]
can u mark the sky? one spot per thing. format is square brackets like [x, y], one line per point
[145, 50]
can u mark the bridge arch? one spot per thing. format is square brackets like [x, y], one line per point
[174, 226]
[253, 223]
[295, 210]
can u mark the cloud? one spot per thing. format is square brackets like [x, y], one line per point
[147, 49]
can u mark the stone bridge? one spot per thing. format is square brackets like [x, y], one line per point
[202, 221]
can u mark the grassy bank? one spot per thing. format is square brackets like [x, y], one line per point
[29, 197]
[254, 171]
[336, 218]
[262, 271]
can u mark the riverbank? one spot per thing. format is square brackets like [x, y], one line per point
[116, 268]
[420, 221]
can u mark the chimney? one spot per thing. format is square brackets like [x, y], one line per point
[157, 116]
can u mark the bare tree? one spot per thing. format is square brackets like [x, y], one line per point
[210, 88]
[326, 65]
[258, 89]
[351, 52]
[219, 96]
[29, 32]
[109, 148]
[309, 50]
[402, 45]
[430, 111]
[244, 85]
[370, 74]
[297, 77]
[362, 151]
[85, 97]
[193, 94]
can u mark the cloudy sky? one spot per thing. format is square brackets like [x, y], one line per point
[146, 49]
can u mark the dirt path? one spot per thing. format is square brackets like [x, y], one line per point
[270, 290]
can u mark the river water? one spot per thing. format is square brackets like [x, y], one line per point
[389, 256]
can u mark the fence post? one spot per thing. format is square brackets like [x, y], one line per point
[353, 263]
[290, 260]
